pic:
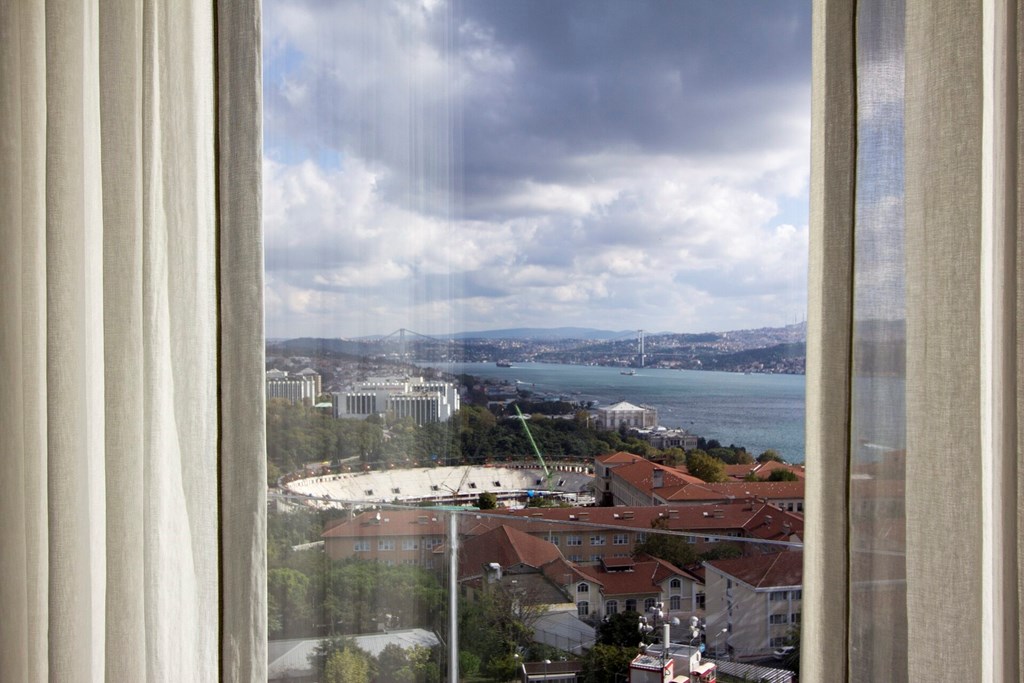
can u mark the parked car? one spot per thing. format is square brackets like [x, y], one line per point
[783, 652]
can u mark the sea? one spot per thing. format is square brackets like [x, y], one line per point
[757, 411]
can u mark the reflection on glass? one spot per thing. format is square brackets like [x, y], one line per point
[878, 440]
[488, 457]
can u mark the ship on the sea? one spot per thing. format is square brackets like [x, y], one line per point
[627, 372]
[504, 364]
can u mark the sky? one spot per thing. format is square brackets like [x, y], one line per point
[449, 166]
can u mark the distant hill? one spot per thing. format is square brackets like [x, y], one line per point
[547, 333]
[767, 356]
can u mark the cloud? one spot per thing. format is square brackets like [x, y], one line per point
[441, 166]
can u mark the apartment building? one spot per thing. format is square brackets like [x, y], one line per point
[301, 387]
[758, 599]
[424, 401]
[584, 536]
[631, 480]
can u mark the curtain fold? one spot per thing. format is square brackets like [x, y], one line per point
[829, 341]
[133, 493]
[929, 534]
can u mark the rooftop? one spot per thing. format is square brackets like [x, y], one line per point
[764, 571]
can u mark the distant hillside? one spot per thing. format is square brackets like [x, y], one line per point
[769, 356]
[547, 333]
[310, 346]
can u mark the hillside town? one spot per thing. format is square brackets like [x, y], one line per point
[647, 552]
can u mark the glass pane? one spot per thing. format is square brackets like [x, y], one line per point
[535, 292]
[877, 516]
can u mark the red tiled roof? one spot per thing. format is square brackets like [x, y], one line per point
[764, 571]
[640, 475]
[620, 457]
[748, 516]
[562, 572]
[762, 470]
[646, 577]
[508, 547]
[733, 490]
[391, 523]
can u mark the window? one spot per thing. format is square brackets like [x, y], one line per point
[798, 594]
[361, 546]
[700, 600]
[583, 588]
[582, 608]
[409, 544]
[675, 603]
[777, 619]
[631, 605]
[424, 282]
[794, 618]
[386, 544]
[611, 607]
[649, 604]
[775, 596]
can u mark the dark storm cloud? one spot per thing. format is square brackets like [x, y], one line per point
[534, 161]
[664, 78]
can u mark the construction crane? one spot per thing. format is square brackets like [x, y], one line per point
[547, 472]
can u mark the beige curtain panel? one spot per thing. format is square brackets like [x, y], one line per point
[915, 361]
[132, 490]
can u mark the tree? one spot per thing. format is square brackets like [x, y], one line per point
[487, 501]
[770, 454]
[287, 593]
[348, 665]
[703, 466]
[792, 662]
[607, 663]
[782, 475]
[722, 551]
[666, 547]
[619, 629]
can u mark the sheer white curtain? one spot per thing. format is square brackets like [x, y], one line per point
[914, 553]
[131, 498]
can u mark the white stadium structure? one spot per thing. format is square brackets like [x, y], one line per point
[444, 485]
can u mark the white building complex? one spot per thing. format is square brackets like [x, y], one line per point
[302, 387]
[399, 397]
[626, 414]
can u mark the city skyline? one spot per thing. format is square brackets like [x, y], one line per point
[447, 167]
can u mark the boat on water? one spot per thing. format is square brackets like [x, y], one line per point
[627, 372]
[504, 364]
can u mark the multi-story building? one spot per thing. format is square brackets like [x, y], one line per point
[625, 414]
[630, 480]
[302, 387]
[414, 397]
[584, 536]
[628, 584]
[756, 599]
[662, 437]
[389, 536]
